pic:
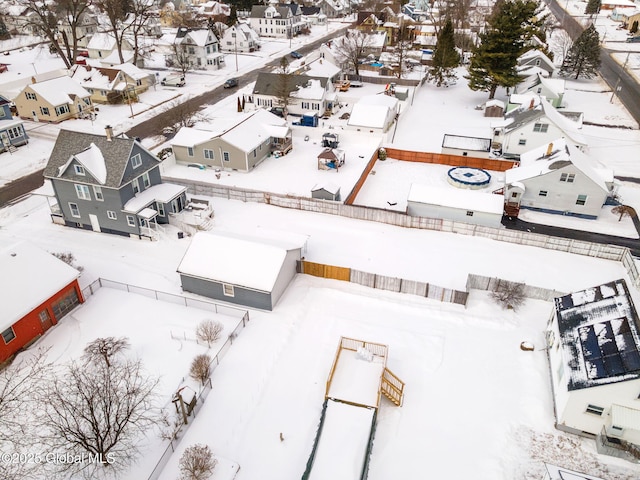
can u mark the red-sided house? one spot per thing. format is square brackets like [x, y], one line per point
[36, 291]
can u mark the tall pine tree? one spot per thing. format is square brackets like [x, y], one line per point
[583, 58]
[593, 6]
[445, 56]
[494, 60]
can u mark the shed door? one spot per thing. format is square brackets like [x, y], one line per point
[94, 222]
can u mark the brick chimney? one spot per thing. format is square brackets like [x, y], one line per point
[549, 149]
[109, 130]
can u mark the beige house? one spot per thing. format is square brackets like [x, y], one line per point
[53, 100]
[112, 85]
[240, 142]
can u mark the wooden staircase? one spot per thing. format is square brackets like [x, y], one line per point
[392, 387]
[511, 209]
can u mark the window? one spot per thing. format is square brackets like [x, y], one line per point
[581, 200]
[522, 141]
[190, 151]
[160, 208]
[97, 192]
[44, 316]
[111, 215]
[103, 93]
[65, 304]
[594, 409]
[44, 111]
[145, 180]
[228, 290]
[83, 192]
[131, 221]
[31, 96]
[79, 169]
[305, 105]
[540, 127]
[15, 132]
[136, 185]
[87, 101]
[136, 160]
[75, 212]
[567, 177]
[542, 193]
[469, 213]
[138, 83]
[8, 335]
[62, 109]
[315, 106]
[225, 156]
[208, 154]
[514, 194]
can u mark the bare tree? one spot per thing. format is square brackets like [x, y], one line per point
[563, 43]
[200, 368]
[509, 295]
[209, 331]
[170, 425]
[458, 12]
[141, 12]
[179, 58]
[105, 349]
[181, 114]
[97, 413]
[197, 463]
[68, 258]
[71, 13]
[352, 47]
[43, 19]
[115, 12]
[623, 211]
[404, 44]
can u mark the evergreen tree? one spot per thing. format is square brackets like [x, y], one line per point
[583, 58]
[4, 32]
[493, 64]
[634, 27]
[445, 56]
[593, 6]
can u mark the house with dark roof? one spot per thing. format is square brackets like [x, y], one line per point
[534, 124]
[277, 21]
[240, 38]
[110, 184]
[593, 344]
[559, 178]
[199, 48]
[304, 93]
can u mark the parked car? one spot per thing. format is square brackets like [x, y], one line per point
[295, 54]
[231, 82]
[344, 86]
[173, 81]
[279, 111]
[356, 84]
[633, 39]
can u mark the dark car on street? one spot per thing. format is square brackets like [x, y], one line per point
[231, 82]
[295, 54]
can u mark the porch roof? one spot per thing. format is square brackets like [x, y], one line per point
[163, 192]
[625, 417]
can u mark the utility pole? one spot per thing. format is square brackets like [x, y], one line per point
[615, 89]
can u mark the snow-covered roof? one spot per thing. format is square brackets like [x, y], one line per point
[322, 68]
[559, 473]
[456, 198]
[599, 336]
[311, 91]
[190, 137]
[620, 3]
[57, 90]
[162, 192]
[243, 262]
[101, 41]
[466, 143]
[328, 187]
[29, 277]
[254, 130]
[96, 78]
[536, 162]
[131, 70]
[199, 37]
[93, 161]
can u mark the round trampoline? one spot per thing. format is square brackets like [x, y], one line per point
[468, 177]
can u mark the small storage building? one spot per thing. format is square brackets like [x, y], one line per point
[239, 270]
[330, 159]
[466, 146]
[327, 191]
[36, 291]
[458, 205]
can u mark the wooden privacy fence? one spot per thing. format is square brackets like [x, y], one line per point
[453, 160]
[401, 219]
[383, 282]
[480, 282]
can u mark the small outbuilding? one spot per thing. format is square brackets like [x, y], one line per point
[241, 270]
[458, 205]
[466, 146]
[494, 108]
[36, 291]
[327, 191]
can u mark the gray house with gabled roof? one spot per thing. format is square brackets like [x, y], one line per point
[277, 21]
[305, 93]
[593, 343]
[109, 184]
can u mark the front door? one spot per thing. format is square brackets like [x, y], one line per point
[94, 222]
[45, 320]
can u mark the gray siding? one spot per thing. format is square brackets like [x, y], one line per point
[213, 289]
[238, 158]
[286, 274]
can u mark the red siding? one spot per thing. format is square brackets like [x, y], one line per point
[28, 327]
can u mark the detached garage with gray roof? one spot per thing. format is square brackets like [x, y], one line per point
[240, 270]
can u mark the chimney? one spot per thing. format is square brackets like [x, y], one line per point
[531, 104]
[33, 80]
[109, 130]
[549, 149]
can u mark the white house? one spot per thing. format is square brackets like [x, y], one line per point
[466, 146]
[552, 89]
[239, 38]
[200, 48]
[559, 178]
[277, 21]
[535, 58]
[533, 125]
[593, 342]
[455, 204]
[374, 113]
[103, 45]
